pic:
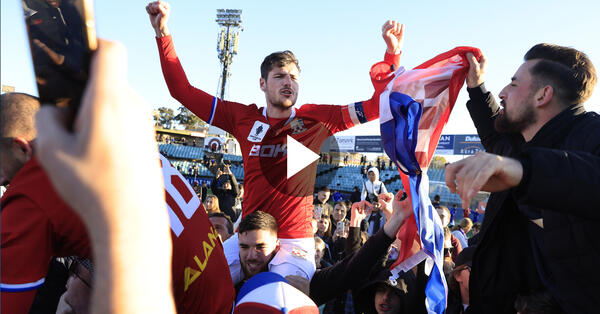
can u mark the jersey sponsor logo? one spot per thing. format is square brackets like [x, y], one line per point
[274, 150]
[297, 126]
[258, 132]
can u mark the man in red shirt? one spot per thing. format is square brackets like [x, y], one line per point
[36, 224]
[262, 134]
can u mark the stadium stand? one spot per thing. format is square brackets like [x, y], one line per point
[335, 176]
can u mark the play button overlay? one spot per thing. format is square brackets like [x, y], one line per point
[289, 157]
[298, 157]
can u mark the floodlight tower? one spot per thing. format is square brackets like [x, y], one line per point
[227, 41]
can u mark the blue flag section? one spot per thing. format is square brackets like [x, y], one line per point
[399, 135]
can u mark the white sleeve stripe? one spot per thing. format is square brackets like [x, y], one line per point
[5, 287]
[353, 115]
[213, 110]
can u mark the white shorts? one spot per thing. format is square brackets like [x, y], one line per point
[295, 257]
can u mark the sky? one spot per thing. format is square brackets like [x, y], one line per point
[336, 43]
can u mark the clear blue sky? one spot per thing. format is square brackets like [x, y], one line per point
[335, 41]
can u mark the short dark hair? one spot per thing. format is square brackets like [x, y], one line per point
[277, 59]
[258, 220]
[324, 189]
[226, 217]
[569, 71]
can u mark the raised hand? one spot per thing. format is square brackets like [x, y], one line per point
[393, 35]
[401, 209]
[159, 12]
[476, 70]
[385, 204]
[358, 212]
[482, 172]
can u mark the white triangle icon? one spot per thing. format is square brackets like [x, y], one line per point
[298, 156]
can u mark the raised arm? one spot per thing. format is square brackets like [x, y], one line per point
[352, 270]
[205, 106]
[483, 109]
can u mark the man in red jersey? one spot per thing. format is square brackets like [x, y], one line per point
[36, 223]
[262, 134]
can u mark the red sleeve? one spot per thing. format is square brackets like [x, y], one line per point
[207, 107]
[26, 253]
[380, 77]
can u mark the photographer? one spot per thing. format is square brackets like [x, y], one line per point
[376, 219]
[225, 187]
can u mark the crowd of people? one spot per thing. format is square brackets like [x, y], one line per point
[79, 233]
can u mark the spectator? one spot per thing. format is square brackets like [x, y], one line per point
[337, 197]
[222, 224]
[36, 223]
[355, 196]
[458, 294]
[452, 245]
[372, 187]
[225, 187]
[452, 215]
[204, 191]
[436, 201]
[258, 243]
[322, 195]
[338, 214]
[464, 226]
[324, 228]
[239, 200]
[541, 186]
[211, 205]
[375, 220]
[321, 254]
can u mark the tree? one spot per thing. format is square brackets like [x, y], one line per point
[189, 120]
[164, 117]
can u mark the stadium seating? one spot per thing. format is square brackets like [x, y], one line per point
[336, 177]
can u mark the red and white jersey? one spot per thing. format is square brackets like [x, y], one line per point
[264, 146]
[201, 279]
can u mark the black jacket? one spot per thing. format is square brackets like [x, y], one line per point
[352, 271]
[226, 197]
[561, 176]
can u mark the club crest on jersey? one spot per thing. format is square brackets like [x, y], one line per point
[258, 132]
[297, 126]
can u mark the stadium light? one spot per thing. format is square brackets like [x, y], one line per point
[230, 23]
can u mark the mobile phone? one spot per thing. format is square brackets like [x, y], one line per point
[340, 225]
[62, 38]
[318, 212]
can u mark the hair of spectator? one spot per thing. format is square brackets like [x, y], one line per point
[17, 114]
[215, 201]
[465, 223]
[226, 217]
[277, 59]
[341, 203]
[569, 71]
[324, 189]
[319, 243]
[258, 220]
